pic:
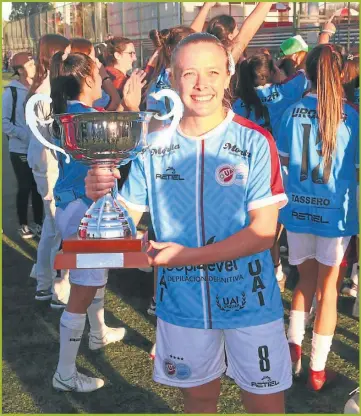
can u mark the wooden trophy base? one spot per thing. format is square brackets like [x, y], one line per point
[103, 253]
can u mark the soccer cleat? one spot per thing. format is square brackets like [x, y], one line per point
[43, 294]
[36, 229]
[112, 335]
[296, 358]
[25, 232]
[318, 379]
[352, 405]
[152, 352]
[79, 383]
[350, 291]
[57, 304]
[152, 308]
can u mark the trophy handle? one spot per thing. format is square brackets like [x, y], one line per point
[177, 110]
[32, 119]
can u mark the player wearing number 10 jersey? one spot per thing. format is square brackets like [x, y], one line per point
[322, 196]
[319, 142]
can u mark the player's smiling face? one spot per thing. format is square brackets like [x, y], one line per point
[200, 77]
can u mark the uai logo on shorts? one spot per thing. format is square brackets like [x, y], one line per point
[227, 175]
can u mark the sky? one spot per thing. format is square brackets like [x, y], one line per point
[6, 10]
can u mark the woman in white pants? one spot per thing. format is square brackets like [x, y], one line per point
[44, 165]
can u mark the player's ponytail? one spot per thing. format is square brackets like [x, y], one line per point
[67, 76]
[165, 41]
[253, 72]
[324, 68]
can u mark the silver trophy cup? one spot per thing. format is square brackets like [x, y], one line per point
[104, 139]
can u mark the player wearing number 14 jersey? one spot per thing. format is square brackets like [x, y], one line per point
[319, 142]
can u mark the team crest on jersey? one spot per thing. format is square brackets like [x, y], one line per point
[227, 175]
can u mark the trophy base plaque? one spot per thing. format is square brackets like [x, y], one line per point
[115, 253]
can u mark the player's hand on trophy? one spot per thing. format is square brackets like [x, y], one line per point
[99, 181]
[132, 92]
[167, 254]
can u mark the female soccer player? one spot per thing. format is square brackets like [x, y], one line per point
[110, 99]
[224, 27]
[318, 140]
[75, 84]
[45, 169]
[164, 41]
[214, 190]
[263, 99]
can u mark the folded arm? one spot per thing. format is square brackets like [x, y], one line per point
[257, 237]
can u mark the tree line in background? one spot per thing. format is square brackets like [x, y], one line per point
[22, 9]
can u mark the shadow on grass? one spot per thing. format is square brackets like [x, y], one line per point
[31, 348]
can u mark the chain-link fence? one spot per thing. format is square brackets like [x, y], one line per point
[95, 20]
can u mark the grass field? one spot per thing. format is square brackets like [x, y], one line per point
[30, 344]
[6, 77]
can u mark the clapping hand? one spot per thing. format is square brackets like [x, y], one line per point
[132, 92]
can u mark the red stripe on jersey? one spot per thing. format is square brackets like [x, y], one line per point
[100, 109]
[291, 77]
[204, 236]
[276, 184]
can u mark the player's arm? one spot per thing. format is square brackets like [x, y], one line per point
[328, 30]
[248, 29]
[108, 87]
[257, 237]
[199, 21]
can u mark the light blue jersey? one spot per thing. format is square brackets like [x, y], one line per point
[322, 198]
[276, 98]
[103, 101]
[162, 106]
[70, 184]
[199, 191]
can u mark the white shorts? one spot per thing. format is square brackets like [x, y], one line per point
[67, 222]
[328, 251]
[258, 357]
